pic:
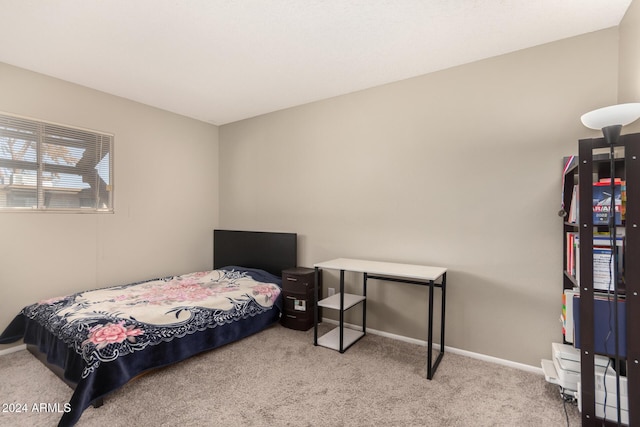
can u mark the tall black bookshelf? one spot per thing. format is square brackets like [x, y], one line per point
[593, 164]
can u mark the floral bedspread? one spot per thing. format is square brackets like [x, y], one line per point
[116, 324]
[104, 324]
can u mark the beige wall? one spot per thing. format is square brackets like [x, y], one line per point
[629, 69]
[459, 168]
[166, 201]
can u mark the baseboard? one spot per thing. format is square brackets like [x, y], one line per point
[453, 350]
[13, 349]
[471, 354]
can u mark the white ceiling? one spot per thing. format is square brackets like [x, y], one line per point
[221, 61]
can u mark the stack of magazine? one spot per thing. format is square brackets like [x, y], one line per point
[604, 259]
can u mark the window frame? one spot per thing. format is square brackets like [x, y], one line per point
[44, 135]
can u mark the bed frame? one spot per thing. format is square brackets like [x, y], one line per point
[269, 251]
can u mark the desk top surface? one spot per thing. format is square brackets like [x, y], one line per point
[413, 271]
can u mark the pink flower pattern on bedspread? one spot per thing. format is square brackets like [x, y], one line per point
[103, 335]
[267, 291]
[174, 292]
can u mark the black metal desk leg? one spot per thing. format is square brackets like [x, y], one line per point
[315, 307]
[431, 370]
[444, 299]
[430, 335]
[364, 304]
[341, 311]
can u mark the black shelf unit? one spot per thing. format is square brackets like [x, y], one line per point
[570, 179]
[593, 162]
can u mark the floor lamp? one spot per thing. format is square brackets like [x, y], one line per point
[611, 120]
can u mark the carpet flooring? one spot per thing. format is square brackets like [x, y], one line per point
[279, 378]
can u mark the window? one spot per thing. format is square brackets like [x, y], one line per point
[50, 167]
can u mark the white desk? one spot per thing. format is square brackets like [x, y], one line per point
[341, 340]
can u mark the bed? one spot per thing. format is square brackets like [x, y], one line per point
[98, 340]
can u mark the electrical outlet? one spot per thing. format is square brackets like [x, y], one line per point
[331, 291]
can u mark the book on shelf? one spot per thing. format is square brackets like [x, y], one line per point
[602, 201]
[603, 261]
[603, 265]
[572, 254]
[567, 313]
[604, 324]
[572, 215]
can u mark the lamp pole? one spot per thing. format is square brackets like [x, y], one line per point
[611, 135]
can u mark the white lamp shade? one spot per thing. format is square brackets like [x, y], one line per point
[621, 114]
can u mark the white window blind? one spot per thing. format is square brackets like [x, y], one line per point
[51, 167]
